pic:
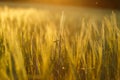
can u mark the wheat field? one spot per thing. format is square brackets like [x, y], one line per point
[40, 45]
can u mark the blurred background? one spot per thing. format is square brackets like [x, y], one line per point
[109, 4]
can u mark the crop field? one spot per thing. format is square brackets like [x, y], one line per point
[45, 45]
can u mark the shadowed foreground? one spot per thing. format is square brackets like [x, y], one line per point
[43, 45]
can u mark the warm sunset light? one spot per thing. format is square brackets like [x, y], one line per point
[59, 39]
[113, 4]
